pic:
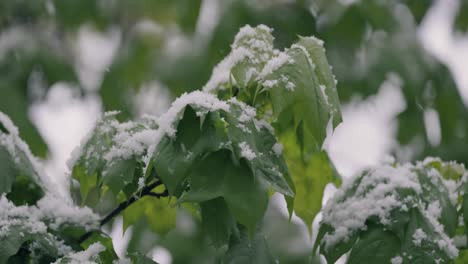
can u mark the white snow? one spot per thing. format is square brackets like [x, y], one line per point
[22, 155]
[419, 236]
[248, 112]
[60, 212]
[270, 83]
[222, 71]
[8, 124]
[434, 209]
[315, 39]
[246, 151]
[30, 219]
[135, 144]
[274, 64]
[141, 183]
[375, 196]
[87, 256]
[248, 44]
[290, 86]
[278, 149]
[396, 260]
[324, 94]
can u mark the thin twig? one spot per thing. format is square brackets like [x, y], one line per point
[158, 195]
[122, 206]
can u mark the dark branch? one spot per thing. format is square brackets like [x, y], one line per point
[122, 206]
[158, 195]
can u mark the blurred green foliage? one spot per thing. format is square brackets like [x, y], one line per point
[365, 41]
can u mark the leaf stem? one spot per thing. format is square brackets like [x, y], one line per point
[122, 206]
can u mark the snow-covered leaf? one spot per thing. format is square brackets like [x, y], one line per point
[412, 202]
[375, 246]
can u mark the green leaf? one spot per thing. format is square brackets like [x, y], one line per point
[142, 239]
[334, 253]
[375, 245]
[173, 158]
[423, 223]
[464, 208]
[97, 167]
[434, 190]
[304, 106]
[428, 250]
[138, 258]
[242, 250]
[88, 167]
[171, 165]
[160, 214]
[217, 176]
[118, 174]
[17, 235]
[257, 41]
[310, 178]
[246, 198]
[20, 180]
[324, 74]
[217, 222]
[462, 257]
[461, 19]
[7, 170]
[207, 178]
[268, 166]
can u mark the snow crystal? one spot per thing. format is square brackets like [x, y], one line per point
[418, 236]
[244, 128]
[315, 39]
[290, 86]
[86, 256]
[434, 210]
[246, 151]
[262, 123]
[250, 73]
[196, 98]
[141, 183]
[270, 83]
[306, 53]
[325, 96]
[248, 112]
[278, 149]
[445, 243]
[396, 260]
[275, 63]
[222, 71]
